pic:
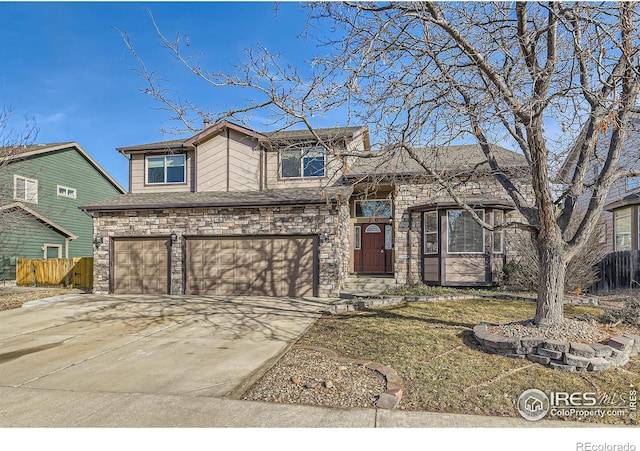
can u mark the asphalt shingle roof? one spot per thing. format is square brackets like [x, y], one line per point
[272, 197]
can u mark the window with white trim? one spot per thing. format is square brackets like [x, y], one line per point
[65, 191]
[465, 235]
[25, 189]
[166, 169]
[302, 163]
[430, 220]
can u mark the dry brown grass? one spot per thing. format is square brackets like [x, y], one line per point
[444, 370]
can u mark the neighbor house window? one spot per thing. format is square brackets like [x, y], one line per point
[465, 235]
[622, 224]
[25, 189]
[305, 162]
[373, 208]
[498, 237]
[633, 183]
[166, 169]
[64, 191]
[430, 232]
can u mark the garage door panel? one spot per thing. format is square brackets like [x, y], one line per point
[271, 266]
[141, 266]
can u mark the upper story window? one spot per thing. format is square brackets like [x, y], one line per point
[25, 189]
[304, 162]
[166, 169]
[64, 191]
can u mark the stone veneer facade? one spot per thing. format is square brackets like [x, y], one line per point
[330, 222]
[408, 195]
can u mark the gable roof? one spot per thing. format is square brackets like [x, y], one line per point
[329, 134]
[16, 153]
[38, 217]
[217, 199]
[453, 158]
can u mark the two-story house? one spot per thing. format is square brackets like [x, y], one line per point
[42, 187]
[232, 211]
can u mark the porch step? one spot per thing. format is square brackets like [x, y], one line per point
[360, 286]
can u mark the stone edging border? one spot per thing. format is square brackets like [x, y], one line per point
[390, 398]
[561, 355]
[361, 303]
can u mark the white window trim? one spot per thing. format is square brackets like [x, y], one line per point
[67, 189]
[304, 151]
[146, 169]
[435, 232]
[52, 246]
[484, 244]
[15, 189]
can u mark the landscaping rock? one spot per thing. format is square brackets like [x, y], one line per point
[498, 342]
[557, 345]
[328, 384]
[480, 331]
[602, 350]
[561, 366]
[387, 401]
[582, 350]
[598, 364]
[636, 343]
[539, 359]
[577, 361]
[556, 355]
[531, 342]
[621, 343]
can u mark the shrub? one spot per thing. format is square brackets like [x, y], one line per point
[628, 314]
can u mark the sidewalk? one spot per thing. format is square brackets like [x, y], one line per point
[44, 408]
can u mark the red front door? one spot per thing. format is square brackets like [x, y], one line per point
[372, 252]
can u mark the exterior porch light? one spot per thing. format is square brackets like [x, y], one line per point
[174, 237]
[98, 240]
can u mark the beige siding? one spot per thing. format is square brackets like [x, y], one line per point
[212, 165]
[468, 269]
[431, 269]
[138, 178]
[233, 166]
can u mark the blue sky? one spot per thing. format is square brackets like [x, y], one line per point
[66, 66]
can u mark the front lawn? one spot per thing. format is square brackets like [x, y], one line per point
[431, 346]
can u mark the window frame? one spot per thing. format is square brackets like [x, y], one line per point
[357, 238]
[309, 152]
[484, 246]
[360, 201]
[48, 246]
[427, 232]
[616, 217]
[164, 157]
[499, 233]
[34, 199]
[66, 192]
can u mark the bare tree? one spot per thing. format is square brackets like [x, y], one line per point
[543, 78]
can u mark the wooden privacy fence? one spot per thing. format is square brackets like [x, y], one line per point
[54, 272]
[618, 271]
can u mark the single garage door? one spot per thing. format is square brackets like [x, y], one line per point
[269, 266]
[140, 266]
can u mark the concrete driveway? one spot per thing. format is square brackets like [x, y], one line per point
[168, 345]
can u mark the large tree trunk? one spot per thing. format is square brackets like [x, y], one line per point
[551, 284]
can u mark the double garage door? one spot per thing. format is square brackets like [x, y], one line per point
[269, 266]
